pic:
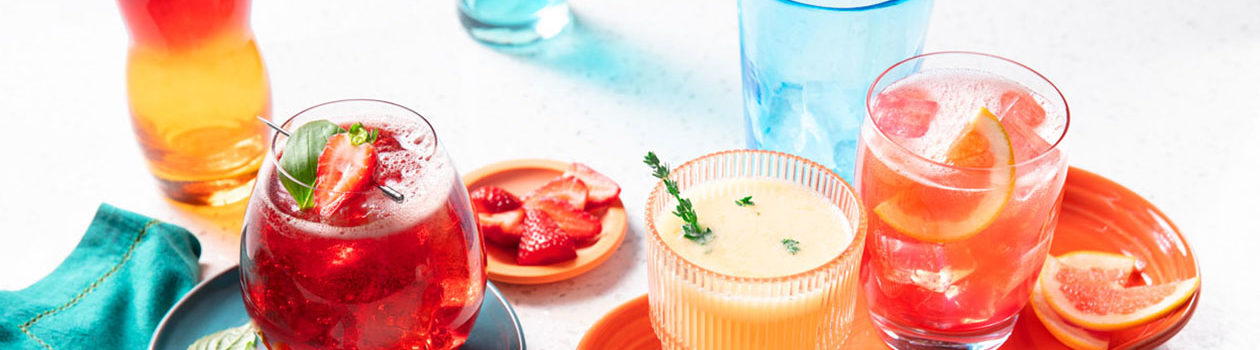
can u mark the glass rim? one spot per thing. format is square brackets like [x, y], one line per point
[850, 250]
[274, 159]
[860, 6]
[870, 115]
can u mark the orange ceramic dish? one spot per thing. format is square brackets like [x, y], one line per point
[1097, 214]
[520, 177]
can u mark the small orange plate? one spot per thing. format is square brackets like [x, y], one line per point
[521, 177]
[1097, 214]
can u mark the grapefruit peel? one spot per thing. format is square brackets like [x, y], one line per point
[1105, 275]
[983, 144]
[1075, 337]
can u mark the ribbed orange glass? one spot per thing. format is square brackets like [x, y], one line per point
[696, 308]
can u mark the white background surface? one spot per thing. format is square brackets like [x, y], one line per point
[1163, 95]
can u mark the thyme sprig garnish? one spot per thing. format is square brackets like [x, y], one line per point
[744, 202]
[793, 246]
[691, 226]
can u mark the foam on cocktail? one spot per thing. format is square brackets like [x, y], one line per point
[404, 163]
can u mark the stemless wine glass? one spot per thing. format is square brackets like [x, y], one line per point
[955, 246]
[376, 274]
[693, 307]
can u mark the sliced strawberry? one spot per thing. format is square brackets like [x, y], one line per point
[566, 188]
[492, 199]
[601, 189]
[503, 228]
[543, 242]
[343, 170]
[581, 226]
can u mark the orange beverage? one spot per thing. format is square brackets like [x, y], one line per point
[780, 271]
[195, 81]
[960, 169]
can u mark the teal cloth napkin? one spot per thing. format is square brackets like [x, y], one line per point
[110, 293]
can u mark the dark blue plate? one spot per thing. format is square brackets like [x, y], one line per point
[215, 305]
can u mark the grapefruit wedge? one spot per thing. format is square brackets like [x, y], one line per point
[934, 214]
[1073, 336]
[1088, 289]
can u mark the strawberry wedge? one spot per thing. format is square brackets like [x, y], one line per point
[343, 170]
[503, 228]
[543, 243]
[600, 189]
[581, 226]
[566, 188]
[493, 199]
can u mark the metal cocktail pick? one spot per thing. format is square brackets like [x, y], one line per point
[389, 192]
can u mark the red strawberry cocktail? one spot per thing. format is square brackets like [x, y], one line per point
[330, 261]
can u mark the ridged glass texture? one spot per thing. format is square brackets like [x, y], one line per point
[695, 308]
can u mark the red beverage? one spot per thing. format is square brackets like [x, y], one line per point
[377, 274]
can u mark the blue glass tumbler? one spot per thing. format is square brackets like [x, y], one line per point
[807, 65]
[514, 22]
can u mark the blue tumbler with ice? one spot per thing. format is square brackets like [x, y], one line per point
[807, 65]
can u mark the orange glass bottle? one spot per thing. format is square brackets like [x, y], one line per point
[195, 81]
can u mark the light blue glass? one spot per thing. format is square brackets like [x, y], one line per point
[807, 65]
[514, 22]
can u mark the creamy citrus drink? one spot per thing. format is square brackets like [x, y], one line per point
[959, 168]
[753, 234]
[776, 269]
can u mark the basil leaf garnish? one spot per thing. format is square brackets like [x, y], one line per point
[237, 338]
[301, 159]
[360, 135]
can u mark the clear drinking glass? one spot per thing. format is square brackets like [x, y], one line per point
[955, 247]
[514, 22]
[696, 308]
[376, 274]
[807, 64]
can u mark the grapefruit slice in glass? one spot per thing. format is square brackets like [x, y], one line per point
[934, 214]
[1088, 289]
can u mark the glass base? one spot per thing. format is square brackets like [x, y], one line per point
[903, 338]
[209, 192]
[548, 23]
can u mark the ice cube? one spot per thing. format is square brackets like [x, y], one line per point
[1020, 115]
[1023, 107]
[905, 112]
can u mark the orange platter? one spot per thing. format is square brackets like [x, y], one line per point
[1097, 214]
[522, 176]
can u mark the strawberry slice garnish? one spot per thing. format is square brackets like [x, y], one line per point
[601, 189]
[581, 226]
[543, 242]
[502, 228]
[343, 169]
[566, 188]
[492, 199]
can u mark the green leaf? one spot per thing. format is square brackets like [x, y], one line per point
[360, 135]
[301, 158]
[236, 338]
[691, 224]
[744, 202]
[793, 246]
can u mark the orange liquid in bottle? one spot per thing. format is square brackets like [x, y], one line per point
[195, 81]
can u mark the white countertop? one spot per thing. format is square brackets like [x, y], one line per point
[1164, 98]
